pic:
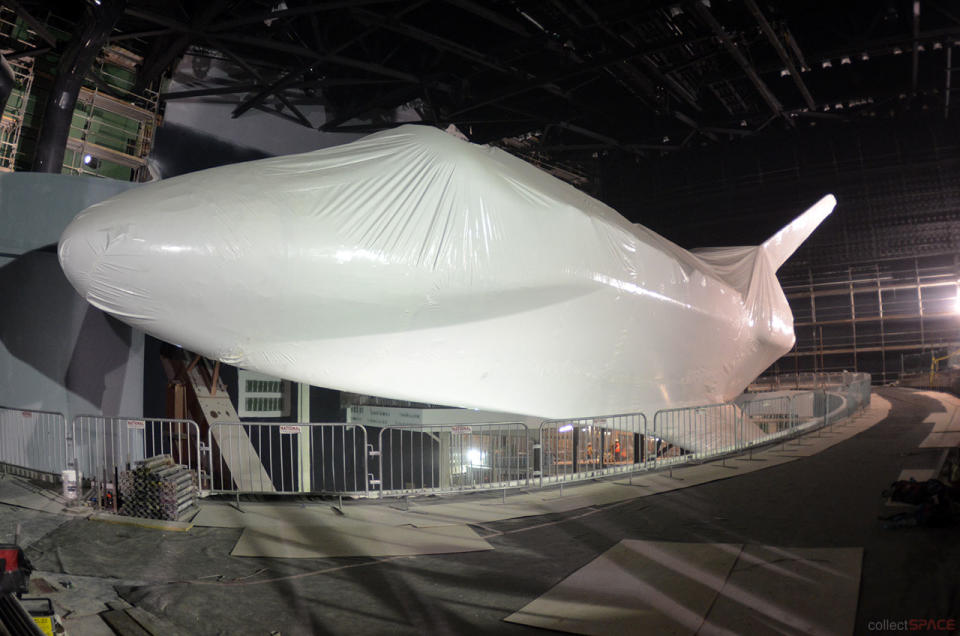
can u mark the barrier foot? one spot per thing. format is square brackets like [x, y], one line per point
[240, 509]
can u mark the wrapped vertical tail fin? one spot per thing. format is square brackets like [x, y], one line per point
[781, 245]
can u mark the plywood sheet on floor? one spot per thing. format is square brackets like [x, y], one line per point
[941, 440]
[15, 492]
[218, 515]
[789, 591]
[652, 587]
[917, 474]
[655, 586]
[348, 538]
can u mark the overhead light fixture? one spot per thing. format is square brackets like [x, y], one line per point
[864, 56]
[784, 72]
[87, 159]
[897, 50]
[826, 64]
[845, 60]
[921, 48]
[937, 46]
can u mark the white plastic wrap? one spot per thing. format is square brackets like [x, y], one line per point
[417, 266]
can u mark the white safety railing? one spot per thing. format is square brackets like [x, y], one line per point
[288, 458]
[34, 440]
[591, 447]
[684, 434]
[102, 446]
[445, 458]
[347, 459]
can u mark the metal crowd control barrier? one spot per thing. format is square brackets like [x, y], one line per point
[101, 445]
[34, 440]
[591, 447]
[684, 434]
[288, 458]
[768, 418]
[435, 459]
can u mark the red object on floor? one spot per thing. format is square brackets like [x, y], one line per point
[11, 558]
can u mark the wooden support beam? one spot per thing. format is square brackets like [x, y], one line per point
[215, 380]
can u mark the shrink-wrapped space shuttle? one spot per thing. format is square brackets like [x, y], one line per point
[413, 265]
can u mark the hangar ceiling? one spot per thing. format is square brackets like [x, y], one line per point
[565, 79]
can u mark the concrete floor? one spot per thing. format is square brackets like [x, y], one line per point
[831, 499]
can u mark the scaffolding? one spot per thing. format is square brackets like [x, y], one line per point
[111, 134]
[16, 110]
[873, 317]
[114, 122]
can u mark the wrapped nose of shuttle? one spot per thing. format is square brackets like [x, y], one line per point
[81, 249]
[106, 257]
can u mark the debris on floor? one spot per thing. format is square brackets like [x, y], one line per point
[936, 505]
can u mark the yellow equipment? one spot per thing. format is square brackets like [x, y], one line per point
[935, 363]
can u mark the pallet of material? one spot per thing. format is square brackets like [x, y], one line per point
[158, 488]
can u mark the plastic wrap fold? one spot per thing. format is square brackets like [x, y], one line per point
[417, 266]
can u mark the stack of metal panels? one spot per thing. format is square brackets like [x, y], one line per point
[158, 489]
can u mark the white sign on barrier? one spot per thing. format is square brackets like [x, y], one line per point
[460, 430]
[137, 425]
[289, 430]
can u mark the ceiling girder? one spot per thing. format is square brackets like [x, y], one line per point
[397, 96]
[740, 59]
[782, 52]
[293, 12]
[279, 84]
[206, 92]
[540, 82]
[491, 16]
[915, 62]
[256, 75]
[440, 43]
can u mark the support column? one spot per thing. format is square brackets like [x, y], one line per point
[853, 317]
[99, 20]
[304, 441]
[883, 343]
[446, 459]
[6, 82]
[813, 319]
